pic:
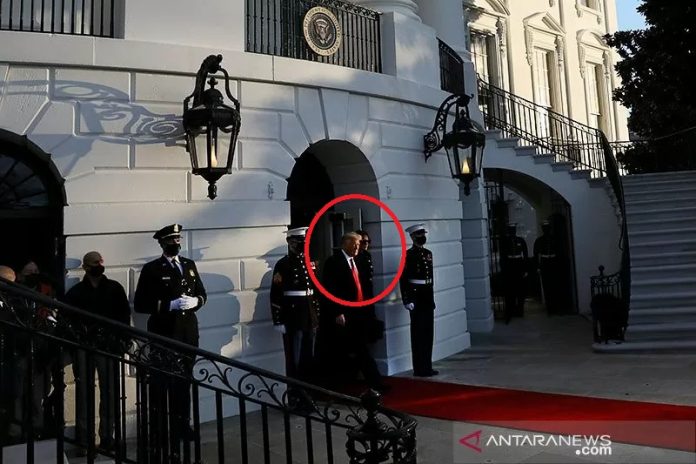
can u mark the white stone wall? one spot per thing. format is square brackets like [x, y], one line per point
[114, 133]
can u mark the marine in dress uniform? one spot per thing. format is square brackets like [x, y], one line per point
[170, 290]
[295, 308]
[546, 258]
[417, 294]
[514, 267]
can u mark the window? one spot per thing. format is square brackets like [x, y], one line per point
[595, 96]
[544, 91]
[480, 52]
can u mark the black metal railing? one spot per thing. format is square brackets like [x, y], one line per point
[162, 401]
[77, 17]
[451, 69]
[587, 148]
[275, 27]
[537, 125]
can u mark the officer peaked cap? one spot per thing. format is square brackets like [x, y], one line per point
[416, 228]
[297, 232]
[173, 230]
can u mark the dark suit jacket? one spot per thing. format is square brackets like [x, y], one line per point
[338, 280]
[158, 285]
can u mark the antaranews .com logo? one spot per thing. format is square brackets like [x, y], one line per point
[509, 445]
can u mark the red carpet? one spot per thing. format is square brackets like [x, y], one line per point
[634, 422]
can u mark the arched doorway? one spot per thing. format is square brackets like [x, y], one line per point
[326, 170]
[32, 198]
[514, 197]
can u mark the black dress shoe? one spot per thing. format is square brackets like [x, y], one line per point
[434, 372]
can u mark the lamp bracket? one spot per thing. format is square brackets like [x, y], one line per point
[432, 141]
[209, 66]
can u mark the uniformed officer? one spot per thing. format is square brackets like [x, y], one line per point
[294, 307]
[418, 297]
[170, 290]
[546, 259]
[514, 267]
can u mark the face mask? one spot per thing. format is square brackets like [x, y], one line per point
[171, 249]
[32, 280]
[95, 271]
[419, 240]
[296, 247]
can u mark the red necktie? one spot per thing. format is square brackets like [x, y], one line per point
[356, 278]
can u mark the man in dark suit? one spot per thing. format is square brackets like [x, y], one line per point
[342, 279]
[418, 297]
[171, 291]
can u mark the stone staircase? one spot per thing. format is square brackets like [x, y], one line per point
[661, 218]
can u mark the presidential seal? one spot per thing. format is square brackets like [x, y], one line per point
[322, 31]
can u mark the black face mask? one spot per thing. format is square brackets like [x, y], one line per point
[419, 240]
[171, 249]
[95, 271]
[296, 247]
[32, 280]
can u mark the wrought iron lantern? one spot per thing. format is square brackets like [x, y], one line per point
[464, 144]
[205, 121]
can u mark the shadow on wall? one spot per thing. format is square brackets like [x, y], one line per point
[102, 113]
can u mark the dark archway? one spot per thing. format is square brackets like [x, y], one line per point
[32, 197]
[516, 197]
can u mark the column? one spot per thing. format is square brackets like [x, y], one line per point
[405, 7]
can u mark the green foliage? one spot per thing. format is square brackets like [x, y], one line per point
[658, 83]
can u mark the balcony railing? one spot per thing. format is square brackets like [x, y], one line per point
[76, 17]
[276, 27]
[451, 69]
[146, 386]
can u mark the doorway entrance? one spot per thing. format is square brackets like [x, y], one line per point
[327, 170]
[32, 198]
[535, 210]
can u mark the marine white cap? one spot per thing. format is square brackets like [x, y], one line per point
[297, 232]
[416, 228]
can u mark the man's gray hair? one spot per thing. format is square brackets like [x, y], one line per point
[350, 236]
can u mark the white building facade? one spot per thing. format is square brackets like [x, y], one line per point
[108, 112]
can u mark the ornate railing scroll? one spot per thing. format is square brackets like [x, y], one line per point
[38, 334]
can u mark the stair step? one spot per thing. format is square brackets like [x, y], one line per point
[651, 300]
[661, 331]
[662, 213]
[525, 151]
[563, 166]
[663, 246]
[546, 158]
[508, 142]
[678, 346]
[658, 177]
[661, 224]
[658, 203]
[581, 173]
[661, 194]
[666, 271]
[662, 315]
[667, 235]
[656, 259]
[666, 287]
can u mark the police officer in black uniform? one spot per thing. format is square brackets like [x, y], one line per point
[170, 290]
[295, 308]
[514, 267]
[418, 297]
[546, 258]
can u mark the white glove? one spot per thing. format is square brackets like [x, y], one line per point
[175, 305]
[189, 302]
[409, 306]
[280, 328]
